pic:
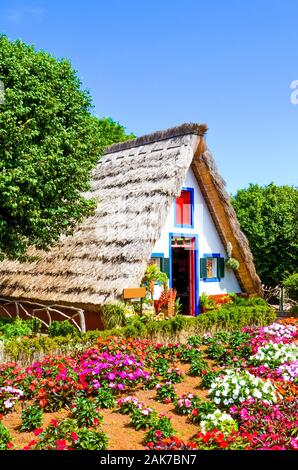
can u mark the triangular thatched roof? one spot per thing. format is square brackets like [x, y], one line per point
[135, 183]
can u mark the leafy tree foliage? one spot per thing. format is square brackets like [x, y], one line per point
[49, 143]
[268, 217]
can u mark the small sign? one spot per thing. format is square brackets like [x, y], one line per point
[134, 293]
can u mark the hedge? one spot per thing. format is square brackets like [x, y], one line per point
[177, 329]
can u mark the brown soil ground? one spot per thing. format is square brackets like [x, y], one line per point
[122, 435]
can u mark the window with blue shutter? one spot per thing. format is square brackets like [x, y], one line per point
[212, 267]
[162, 262]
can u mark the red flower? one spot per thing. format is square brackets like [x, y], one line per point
[37, 431]
[191, 445]
[223, 444]
[74, 436]
[96, 421]
[9, 445]
[42, 403]
[60, 444]
[194, 412]
[158, 434]
[54, 422]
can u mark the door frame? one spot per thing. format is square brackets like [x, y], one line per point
[195, 255]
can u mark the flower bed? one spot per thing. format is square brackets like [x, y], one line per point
[224, 391]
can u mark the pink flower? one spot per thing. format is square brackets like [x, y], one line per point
[158, 434]
[187, 403]
[294, 443]
[96, 384]
[244, 414]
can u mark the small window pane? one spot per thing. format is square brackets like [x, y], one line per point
[211, 267]
[183, 208]
[156, 261]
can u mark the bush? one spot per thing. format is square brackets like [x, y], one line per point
[90, 440]
[62, 328]
[105, 398]
[143, 418]
[113, 315]
[197, 367]
[9, 396]
[234, 386]
[165, 393]
[294, 310]
[4, 437]
[218, 420]
[84, 411]
[291, 285]
[31, 418]
[27, 349]
[14, 327]
[234, 316]
[161, 427]
[136, 329]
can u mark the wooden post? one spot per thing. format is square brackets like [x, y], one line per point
[281, 300]
[82, 321]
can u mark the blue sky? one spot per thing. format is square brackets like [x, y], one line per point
[154, 64]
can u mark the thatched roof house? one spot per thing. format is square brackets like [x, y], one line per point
[135, 184]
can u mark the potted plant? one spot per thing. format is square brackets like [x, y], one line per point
[231, 263]
[206, 303]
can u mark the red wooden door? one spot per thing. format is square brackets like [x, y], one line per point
[192, 278]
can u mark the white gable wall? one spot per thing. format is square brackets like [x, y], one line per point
[208, 240]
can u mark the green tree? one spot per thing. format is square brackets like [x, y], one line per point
[49, 143]
[268, 217]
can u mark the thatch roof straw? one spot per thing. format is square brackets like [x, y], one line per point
[134, 183]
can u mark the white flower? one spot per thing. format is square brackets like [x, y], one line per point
[8, 403]
[257, 393]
